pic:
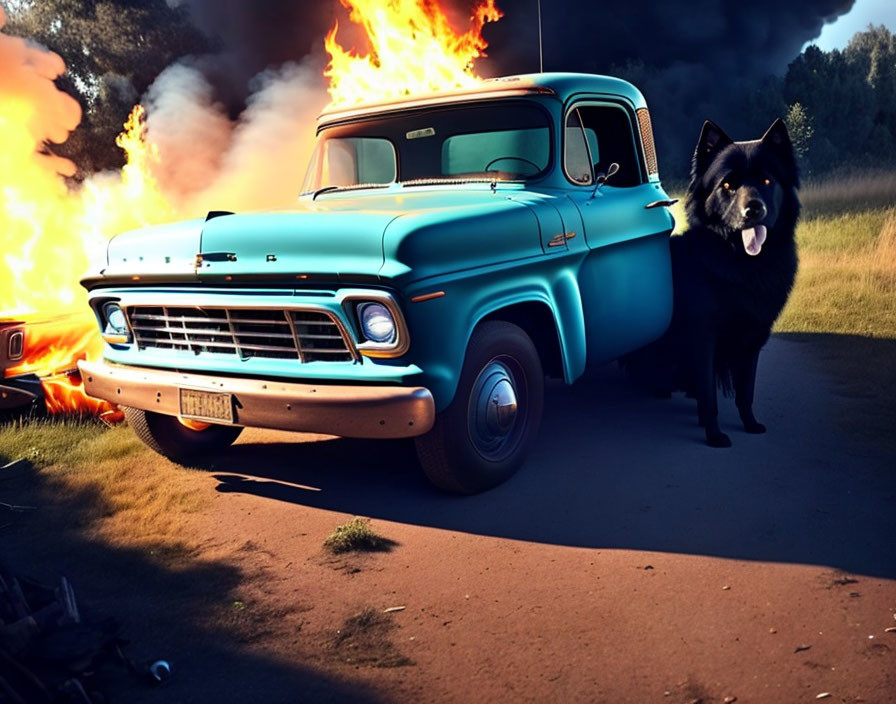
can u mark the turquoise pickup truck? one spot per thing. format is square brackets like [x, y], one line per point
[447, 253]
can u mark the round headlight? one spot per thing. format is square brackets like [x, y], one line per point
[116, 323]
[376, 322]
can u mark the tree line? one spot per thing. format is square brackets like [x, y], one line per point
[839, 105]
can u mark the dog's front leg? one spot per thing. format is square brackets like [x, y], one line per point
[705, 377]
[744, 377]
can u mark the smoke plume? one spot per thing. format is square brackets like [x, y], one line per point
[27, 80]
[208, 161]
[692, 60]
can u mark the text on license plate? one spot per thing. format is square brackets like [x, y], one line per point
[206, 405]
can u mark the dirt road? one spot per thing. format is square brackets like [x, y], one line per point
[626, 562]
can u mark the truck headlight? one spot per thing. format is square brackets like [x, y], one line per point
[377, 322]
[116, 328]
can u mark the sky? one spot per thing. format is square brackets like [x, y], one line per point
[838, 34]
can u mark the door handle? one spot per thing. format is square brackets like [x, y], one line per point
[662, 203]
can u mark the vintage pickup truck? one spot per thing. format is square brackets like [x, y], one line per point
[447, 252]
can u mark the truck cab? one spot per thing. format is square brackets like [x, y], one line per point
[446, 253]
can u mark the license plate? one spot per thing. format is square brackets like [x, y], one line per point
[206, 405]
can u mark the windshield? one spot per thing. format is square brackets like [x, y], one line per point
[509, 141]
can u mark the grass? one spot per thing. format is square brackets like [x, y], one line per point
[357, 536]
[847, 278]
[110, 469]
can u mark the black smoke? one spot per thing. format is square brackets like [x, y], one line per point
[692, 60]
[252, 36]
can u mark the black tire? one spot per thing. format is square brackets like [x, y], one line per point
[168, 436]
[476, 443]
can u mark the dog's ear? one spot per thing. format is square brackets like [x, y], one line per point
[712, 141]
[777, 135]
[777, 139]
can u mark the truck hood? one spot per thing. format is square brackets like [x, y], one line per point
[346, 233]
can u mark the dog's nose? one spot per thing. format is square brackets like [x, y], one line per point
[755, 210]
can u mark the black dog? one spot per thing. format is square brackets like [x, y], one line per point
[732, 271]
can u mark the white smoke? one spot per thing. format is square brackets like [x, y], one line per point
[209, 162]
[26, 79]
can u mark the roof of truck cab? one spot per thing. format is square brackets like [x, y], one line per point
[561, 85]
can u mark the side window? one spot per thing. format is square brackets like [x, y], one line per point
[611, 139]
[577, 156]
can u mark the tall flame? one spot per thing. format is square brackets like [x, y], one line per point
[53, 232]
[414, 49]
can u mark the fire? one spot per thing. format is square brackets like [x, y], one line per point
[53, 345]
[413, 50]
[64, 393]
[53, 231]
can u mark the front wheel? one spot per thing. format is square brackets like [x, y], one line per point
[486, 432]
[180, 439]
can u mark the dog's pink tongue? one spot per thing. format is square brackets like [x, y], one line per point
[753, 239]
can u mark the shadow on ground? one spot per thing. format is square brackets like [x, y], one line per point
[615, 469]
[165, 602]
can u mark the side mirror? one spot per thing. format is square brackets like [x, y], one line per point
[603, 178]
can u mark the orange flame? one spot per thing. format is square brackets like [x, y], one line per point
[51, 232]
[54, 345]
[413, 50]
[64, 394]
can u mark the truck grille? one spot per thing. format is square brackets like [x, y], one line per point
[304, 335]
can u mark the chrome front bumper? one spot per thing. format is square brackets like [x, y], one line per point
[348, 411]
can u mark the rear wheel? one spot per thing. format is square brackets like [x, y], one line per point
[486, 432]
[177, 438]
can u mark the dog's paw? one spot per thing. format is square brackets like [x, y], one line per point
[754, 427]
[718, 439]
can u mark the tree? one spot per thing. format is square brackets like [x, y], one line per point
[799, 125]
[113, 50]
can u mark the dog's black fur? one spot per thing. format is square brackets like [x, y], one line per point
[727, 299]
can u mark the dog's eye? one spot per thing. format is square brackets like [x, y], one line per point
[768, 182]
[726, 186]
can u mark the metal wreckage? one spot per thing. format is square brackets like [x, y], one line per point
[52, 653]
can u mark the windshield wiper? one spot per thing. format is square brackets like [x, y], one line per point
[452, 181]
[353, 187]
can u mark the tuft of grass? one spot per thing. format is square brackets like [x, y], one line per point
[357, 536]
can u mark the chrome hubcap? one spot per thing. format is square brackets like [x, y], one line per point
[501, 411]
[494, 410]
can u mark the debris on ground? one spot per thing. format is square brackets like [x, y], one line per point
[50, 653]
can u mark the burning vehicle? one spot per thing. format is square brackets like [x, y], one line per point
[446, 253]
[15, 390]
[38, 362]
